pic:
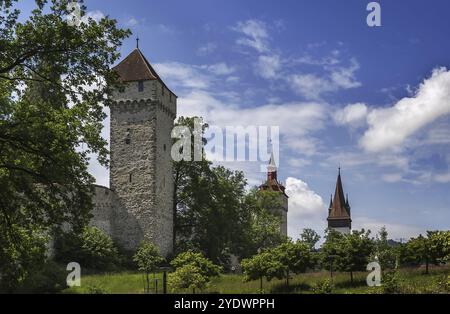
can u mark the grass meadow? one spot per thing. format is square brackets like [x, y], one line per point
[411, 280]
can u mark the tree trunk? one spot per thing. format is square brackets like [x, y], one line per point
[351, 277]
[287, 279]
[260, 284]
[148, 282]
[426, 266]
[193, 290]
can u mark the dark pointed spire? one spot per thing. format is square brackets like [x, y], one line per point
[137, 42]
[339, 208]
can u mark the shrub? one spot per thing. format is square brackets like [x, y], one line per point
[391, 282]
[323, 287]
[93, 289]
[192, 271]
[92, 249]
[51, 278]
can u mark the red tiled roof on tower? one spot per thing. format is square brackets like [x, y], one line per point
[135, 67]
[272, 181]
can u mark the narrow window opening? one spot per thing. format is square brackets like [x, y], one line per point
[128, 137]
[164, 147]
[140, 86]
[130, 178]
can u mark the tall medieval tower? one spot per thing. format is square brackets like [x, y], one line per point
[142, 118]
[272, 184]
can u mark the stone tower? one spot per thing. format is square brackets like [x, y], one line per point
[272, 184]
[142, 117]
[339, 216]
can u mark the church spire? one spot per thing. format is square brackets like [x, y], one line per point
[272, 168]
[339, 213]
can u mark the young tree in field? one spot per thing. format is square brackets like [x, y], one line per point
[295, 257]
[148, 260]
[386, 254]
[188, 277]
[432, 249]
[310, 237]
[54, 83]
[356, 250]
[201, 269]
[348, 252]
[262, 265]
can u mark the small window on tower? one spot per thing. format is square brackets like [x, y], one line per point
[140, 86]
[128, 137]
[130, 178]
[164, 147]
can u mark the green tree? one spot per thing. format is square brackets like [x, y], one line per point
[91, 249]
[296, 257]
[213, 212]
[310, 237]
[194, 263]
[263, 225]
[188, 277]
[262, 265]
[54, 82]
[208, 202]
[348, 252]
[148, 260]
[432, 249]
[385, 253]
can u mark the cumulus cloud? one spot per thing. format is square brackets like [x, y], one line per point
[306, 208]
[353, 114]
[313, 86]
[390, 127]
[255, 34]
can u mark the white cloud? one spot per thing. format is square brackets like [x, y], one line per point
[206, 49]
[343, 77]
[442, 178]
[268, 66]
[96, 15]
[353, 114]
[182, 75]
[395, 231]
[256, 35]
[220, 69]
[393, 177]
[313, 86]
[132, 22]
[390, 127]
[306, 208]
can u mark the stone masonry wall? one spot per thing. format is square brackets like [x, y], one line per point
[139, 202]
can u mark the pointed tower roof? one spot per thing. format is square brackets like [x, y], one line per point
[338, 208]
[135, 67]
[272, 167]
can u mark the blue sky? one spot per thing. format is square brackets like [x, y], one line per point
[375, 100]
